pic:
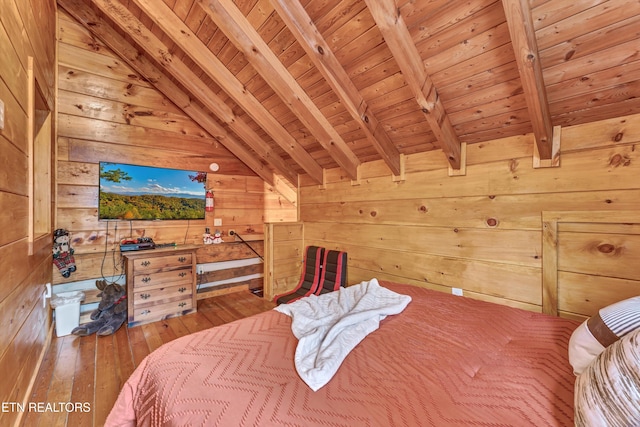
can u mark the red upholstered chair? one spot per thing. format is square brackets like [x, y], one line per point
[334, 272]
[309, 279]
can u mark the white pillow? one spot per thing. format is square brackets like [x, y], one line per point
[583, 348]
[607, 393]
[600, 331]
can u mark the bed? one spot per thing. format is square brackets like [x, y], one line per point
[443, 361]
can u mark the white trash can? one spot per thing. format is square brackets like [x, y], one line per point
[67, 306]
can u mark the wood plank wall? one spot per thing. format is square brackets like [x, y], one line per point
[480, 232]
[284, 254]
[108, 113]
[27, 29]
[589, 260]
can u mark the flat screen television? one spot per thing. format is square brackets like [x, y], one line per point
[130, 192]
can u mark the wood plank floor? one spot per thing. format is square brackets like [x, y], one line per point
[91, 370]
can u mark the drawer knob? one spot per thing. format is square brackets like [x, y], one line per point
[182, 274]
[146, 279]
[182, 259]
[145, 263]
[182, 304]
[182, 290]
[145, 312]
[145, 296]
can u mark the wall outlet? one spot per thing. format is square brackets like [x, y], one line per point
[217, 222]
[46, 294]
[456, 291]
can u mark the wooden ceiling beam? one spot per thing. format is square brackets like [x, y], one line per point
[304, 30]
[399, 41]
[183, 37]
[130, 54]
[246, 39]
[525, 46]
[197, 89]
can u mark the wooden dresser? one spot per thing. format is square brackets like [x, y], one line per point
[161, 283]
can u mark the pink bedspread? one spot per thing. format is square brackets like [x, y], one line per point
[444, 361]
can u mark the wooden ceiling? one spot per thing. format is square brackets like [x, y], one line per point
[297, 86]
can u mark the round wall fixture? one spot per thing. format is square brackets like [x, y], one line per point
[214, 167]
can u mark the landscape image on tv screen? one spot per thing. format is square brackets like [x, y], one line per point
[130, 192]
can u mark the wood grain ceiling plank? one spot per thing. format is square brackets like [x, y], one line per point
[587, 21]
[606, 96]
[613, 35]
[359, 46]
[303, 29]
[318, 8]
[195, 17]
[465, 26]
[495, 127]
[261, 18]
[234, 24]
[235, 89]
[339, 14]
[414, 121]
[416, 12]
[476, 101]
[496, 134]
[585, 86]
[489, 109]
[399, 41]
[206, 30]
[452, 17]
[382, 89]
[523, 39]
[401, 109]
[350, 30]
[467, 49]
[552, 12]
[97, 26]
[595, 113]
[480, 81]
[368, 69]
[181, 8]
[612, 57]
[486, 61]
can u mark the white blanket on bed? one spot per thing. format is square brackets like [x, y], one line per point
[329, 326]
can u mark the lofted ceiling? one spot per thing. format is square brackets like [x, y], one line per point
[297, 86]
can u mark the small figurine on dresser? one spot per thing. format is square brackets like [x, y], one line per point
[207, 238]
[63, 253]
[217, 237]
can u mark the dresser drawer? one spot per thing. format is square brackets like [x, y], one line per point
[159, 294]
[158, 263]
[173, 277]
[162, 311]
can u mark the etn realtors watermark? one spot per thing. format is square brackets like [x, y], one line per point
[45, 407]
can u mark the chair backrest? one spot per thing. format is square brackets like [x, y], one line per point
[334, 272]
[311, 269]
